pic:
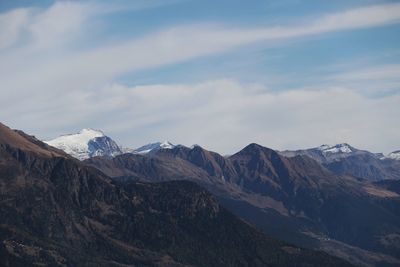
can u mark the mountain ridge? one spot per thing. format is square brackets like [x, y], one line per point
[57, 211]
[291, 195]
[328, 151]
[359, 163]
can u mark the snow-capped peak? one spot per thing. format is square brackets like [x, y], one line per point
[339, 148]
[83, 135]
[153, 147]
[394, 155]
[85, 144]
[167, 145]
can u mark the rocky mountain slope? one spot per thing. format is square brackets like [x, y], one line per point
[55, 211]
[295, 199]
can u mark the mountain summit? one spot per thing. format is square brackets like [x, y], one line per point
[86, 143]
[394, 155]
[339, 148]
[89, 143]
[153, 147]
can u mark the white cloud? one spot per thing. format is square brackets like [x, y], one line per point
[59, 23]
[11, 25]
[68, 89]
[223, 115]
[187, 42]
[375, 80]
[87, 70]
[369, 16]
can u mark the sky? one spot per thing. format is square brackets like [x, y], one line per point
[285, 74]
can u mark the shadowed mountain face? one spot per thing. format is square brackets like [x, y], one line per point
[295, 199]
[345, 159]
[392, 185]
[57, 212]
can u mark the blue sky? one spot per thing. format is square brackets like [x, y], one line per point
[286, 74]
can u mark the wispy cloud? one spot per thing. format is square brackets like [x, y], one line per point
[187, 42]
[59, 23]
[374, 80]
[84, 69]
[71, 88]
[11, 25]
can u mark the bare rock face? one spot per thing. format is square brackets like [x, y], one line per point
[56, 211]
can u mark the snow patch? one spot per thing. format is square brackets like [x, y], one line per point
[153, 147]
[339, 148]
[394, 155]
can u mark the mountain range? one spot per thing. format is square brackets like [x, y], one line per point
[142, 207]
[332, 197]
[293, 199]
[341, 159]
[345, 159]
[58, 211]
[89, 143]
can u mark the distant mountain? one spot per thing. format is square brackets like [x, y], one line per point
[291, 198]
[56, 211]
[90, 143]
[326, 153]
[152, 147]
[345, 159]
[86, 143]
